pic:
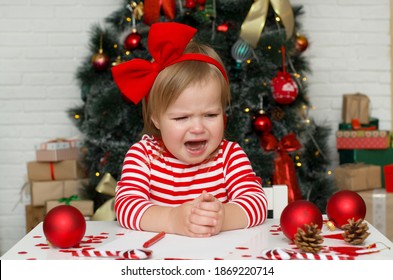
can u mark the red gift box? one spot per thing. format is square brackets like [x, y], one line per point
[361, 139]
[388, 172]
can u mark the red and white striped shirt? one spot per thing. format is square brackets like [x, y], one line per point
[153, 176]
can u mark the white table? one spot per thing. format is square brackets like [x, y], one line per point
[238, 244]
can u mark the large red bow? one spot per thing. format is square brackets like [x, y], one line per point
[284, 169]
[166, 43]
[153, 7]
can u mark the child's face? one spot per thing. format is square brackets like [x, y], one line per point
[193, 126]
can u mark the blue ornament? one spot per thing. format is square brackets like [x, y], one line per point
[241, 51]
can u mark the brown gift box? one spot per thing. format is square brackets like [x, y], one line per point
[57, 155]
[355, 106]
[34, 215]
[85, 206]
[379, 213]
[52, 190]
[358, 176]
[47, 171]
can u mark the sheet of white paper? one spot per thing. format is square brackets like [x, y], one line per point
[218, 246]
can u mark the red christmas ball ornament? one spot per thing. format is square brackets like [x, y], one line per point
[100, 61]
[64, 226]
[262, 124]
[190, 4]
[132, 41]
[297, 214]
[223, 27]
[344, 205]
[301, 43]
[284, 89]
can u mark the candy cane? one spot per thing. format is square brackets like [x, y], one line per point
[135, 254]
[276, 254]
[285, 254]
[314, 256]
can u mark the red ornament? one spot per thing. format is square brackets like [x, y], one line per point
[297, 214]
[262, 124]
[132, 41]
[301, 43]
[223, 27]
[64, 226]
[190, 4]
[100, 61]
[344, 205]
[284, 90]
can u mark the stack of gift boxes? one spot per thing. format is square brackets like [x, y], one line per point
[366, 161]
[56, 177]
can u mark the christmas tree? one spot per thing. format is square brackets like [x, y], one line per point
[267, 70]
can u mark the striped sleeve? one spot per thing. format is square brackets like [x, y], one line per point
[243, 186]
[132, 191]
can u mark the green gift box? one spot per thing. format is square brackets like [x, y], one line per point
[348, 126]
[374, 157]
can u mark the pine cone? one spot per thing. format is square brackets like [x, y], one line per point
[309, 240]
[355, 232]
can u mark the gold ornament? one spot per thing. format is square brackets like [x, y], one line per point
[254, 23]
[330, 225]
[106, 212]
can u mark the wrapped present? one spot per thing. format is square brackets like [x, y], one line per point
[42, 191]
[355, 106]
[62, 170]
[57, 155]
[86, 207]
[34, 215]
[374, 157]
[379, 205]
[388, 173]
[58, 149]
[373, 124]
[60, 143]
[358, 176]
[362, 139]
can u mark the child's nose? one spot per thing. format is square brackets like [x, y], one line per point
[197, 125]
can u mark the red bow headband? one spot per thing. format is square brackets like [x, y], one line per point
[166, 43]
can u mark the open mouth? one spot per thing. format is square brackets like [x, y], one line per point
[195, 146]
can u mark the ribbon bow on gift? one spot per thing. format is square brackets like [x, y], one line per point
[67, 200]
[136, 77]
[284, 169]
[106, 212]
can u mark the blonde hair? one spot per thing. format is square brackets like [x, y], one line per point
[173, 80]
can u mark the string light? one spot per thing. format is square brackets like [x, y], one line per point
[247, 110]
[77, 116]
[329, 172]
[97, 174]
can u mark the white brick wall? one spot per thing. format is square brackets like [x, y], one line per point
[42, 42]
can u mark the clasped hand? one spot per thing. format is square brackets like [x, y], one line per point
[201, 217]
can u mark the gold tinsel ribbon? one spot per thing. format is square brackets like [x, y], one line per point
[254, 23]
[106, 212]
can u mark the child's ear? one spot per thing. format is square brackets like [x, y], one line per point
[155, 122]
